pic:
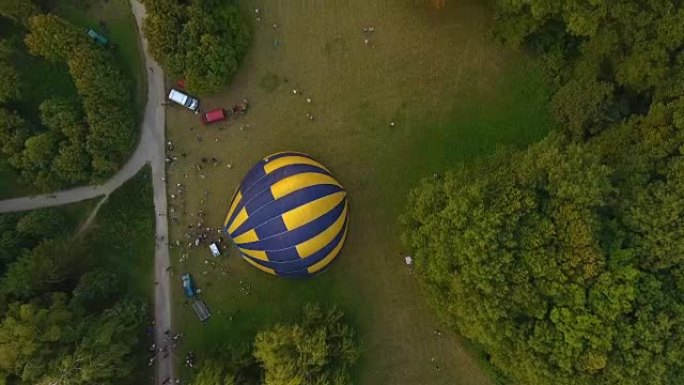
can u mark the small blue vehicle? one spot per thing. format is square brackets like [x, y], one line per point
[98, 38]
[197, 304]
[188, 286]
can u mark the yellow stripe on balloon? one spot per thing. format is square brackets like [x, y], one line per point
[256, 254]
[275, 164]
[250, 236]
[299, 216]
[236, 200]
[328, 258]
[300, 181]
[239, 219]
[258, 266]
[307, 248]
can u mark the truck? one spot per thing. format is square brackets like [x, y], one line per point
[192, 294]
[98, 38]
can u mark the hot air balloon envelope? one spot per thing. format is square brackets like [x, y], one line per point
[289, 216]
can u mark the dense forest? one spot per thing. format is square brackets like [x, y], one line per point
[200, 41]
[69, 313]
[319, 349]
[564, 262]
[79, 132]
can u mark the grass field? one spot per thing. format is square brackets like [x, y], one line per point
[453, 95]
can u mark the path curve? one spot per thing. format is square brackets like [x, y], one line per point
[151, 148]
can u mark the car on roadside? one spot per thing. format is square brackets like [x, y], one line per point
[184, 99]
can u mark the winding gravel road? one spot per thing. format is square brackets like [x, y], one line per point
[151, 149]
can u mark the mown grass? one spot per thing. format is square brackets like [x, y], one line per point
[453, 96]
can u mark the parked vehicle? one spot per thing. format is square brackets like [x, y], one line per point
[188, 285]
[213, 116]
[97, 37]
[215, 251]
[197, 304]
[184, 99]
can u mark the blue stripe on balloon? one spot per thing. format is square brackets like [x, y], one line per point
[257, 202]
[265, 207]
[268, 180]
[238, 208]
[273, 226]
[300, 264]
[292, 238]
[255, 174]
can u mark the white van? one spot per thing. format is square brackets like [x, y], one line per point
[184, 99]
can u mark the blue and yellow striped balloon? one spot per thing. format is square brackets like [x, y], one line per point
[289, 216]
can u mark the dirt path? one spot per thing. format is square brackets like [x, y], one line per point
[150, 149]
[155, 122]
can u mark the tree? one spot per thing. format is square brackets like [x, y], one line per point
[40, 224]
[202, 41]
[31, 335]
[97, 288]
[319, 350]
[39, 270]
[560, 261]
[102, 353]
[18, 11]
[99, 135]
[53, 37]
[39, 150]
[10, 88]
[13, 132]
[231, 366]
[64, 116]
[627, 55]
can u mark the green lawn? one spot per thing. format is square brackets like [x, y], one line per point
[122, 32]
[453, 94]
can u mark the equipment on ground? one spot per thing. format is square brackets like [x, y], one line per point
[215, 251]
[97, 37]
[200, 309]
[197, 304]
[289, 216]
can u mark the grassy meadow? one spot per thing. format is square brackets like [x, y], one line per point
[453, 95]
